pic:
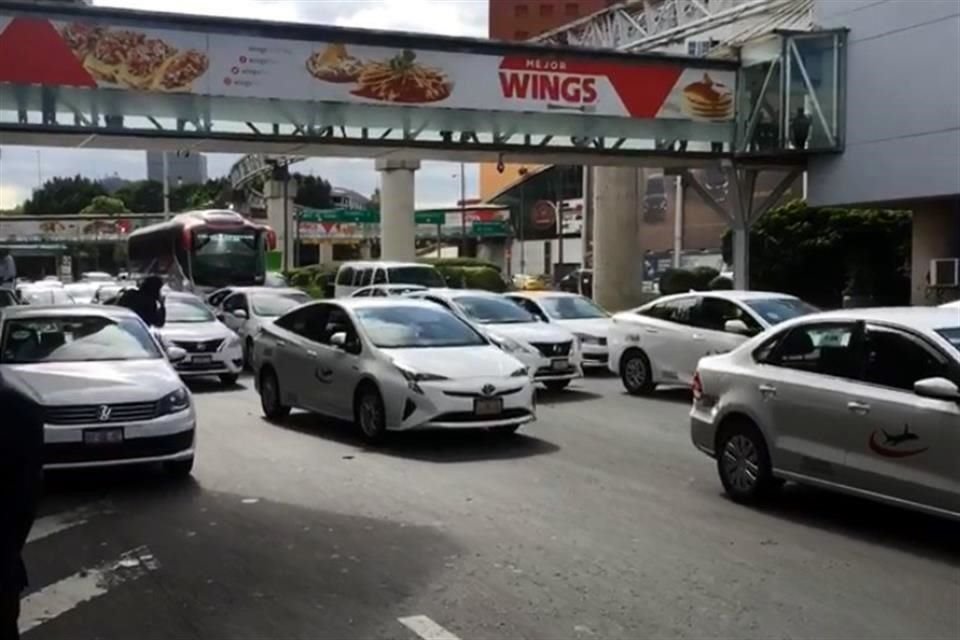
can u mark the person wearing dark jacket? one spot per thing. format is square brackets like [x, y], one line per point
[146, 301]
[21, 475]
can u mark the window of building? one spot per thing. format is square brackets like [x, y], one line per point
[572, 9]
[521, 10]
[546, 10]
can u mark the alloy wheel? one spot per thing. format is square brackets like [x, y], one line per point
[741, 463]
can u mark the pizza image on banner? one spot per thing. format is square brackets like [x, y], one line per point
[93, 55]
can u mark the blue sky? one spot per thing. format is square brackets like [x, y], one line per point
[21, 168]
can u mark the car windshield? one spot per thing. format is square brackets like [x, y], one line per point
[224, 258]
[187, 310]
[76, 339]
[493, 310]
[410, 327]
[777, 310]
[272, 305]
[952, 336]
[571, 308]
[424, 276]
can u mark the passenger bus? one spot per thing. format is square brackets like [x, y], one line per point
[203, 250]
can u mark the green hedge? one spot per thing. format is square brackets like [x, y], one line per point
[459, 273]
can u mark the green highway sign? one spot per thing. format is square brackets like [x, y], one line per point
[356, 216]
[492, 228]
[430, 217]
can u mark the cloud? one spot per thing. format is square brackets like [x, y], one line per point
[436, 184]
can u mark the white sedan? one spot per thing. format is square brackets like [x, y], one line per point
[108, 393]
[551, 352]
[247, 309]
[861, 401]
[661, 342]
[389, 364]
[212, 348]
[573, 312]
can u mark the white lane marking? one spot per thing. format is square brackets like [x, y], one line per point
[57, 522]
[426, 628]
[60, 597]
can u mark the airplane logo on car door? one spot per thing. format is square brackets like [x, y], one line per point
[891, 445]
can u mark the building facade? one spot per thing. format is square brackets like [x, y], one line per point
[902, 123]
[189, 168]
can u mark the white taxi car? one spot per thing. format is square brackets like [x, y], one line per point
[389, 364]
[577, 314]
[862, 401]
[108, 393]
[246, 309]
[662, 341]
[212, 348]
[550, 352]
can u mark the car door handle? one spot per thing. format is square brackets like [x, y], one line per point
[858, 407]
[697, 336]
[767, 389]
[312, 353]
[648, 330]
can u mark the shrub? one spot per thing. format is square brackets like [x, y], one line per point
[676, 281]
[721, 283]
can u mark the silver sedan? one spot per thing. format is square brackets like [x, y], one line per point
[866, 402]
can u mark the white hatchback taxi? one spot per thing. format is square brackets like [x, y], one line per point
[108, 393]
[551, 353]
[661, 342]
[389, 364]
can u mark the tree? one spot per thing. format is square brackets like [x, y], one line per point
[313, 192]
[821, 255]
[63, 196]
[143, 196]
[105, 204]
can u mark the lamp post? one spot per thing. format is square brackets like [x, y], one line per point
[522, 172]
[463, 214]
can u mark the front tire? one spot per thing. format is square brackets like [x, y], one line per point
[179, 469]
[270, 402]
[743, 462]
[636, 373]
[229, 379]
[370, 415]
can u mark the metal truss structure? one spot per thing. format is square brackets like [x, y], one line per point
[647, 25]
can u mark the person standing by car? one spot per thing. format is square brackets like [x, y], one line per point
[21, 474]
[146, 301]
[8, 269]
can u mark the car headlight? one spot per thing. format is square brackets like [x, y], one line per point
[175, 402]
[416, 376]
[520, 373]
[231, 343]
[588, 339]
[512, 346]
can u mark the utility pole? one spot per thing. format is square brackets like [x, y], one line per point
[463, 214]
[166, 186]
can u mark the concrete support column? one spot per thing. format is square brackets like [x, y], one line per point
[936, 234]
[286, 229]
[617, 251]
[741, 257]
[398, 229]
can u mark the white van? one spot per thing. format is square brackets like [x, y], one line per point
[352, 276]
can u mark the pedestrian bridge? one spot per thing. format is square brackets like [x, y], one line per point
[105, 78]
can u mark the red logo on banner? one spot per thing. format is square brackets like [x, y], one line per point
[642, 88]
[34, 53]
[543, 215]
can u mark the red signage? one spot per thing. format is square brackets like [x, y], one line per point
[543, 215]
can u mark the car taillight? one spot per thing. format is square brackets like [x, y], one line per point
[697, 386]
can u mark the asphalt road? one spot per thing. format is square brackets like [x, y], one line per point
[598, 521]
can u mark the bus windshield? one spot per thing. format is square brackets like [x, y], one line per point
[222, 258]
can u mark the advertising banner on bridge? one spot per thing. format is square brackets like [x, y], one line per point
[70, 229]
[96, 54]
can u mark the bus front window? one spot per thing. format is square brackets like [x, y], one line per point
[227, 258]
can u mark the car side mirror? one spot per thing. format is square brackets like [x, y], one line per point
[737, 326]
[937, 388]
[176, 354]
[240, 313]
[339, 340]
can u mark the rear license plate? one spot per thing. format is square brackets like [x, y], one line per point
[488, 406]
[103, 436]
[561, 363]
[201, 359]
